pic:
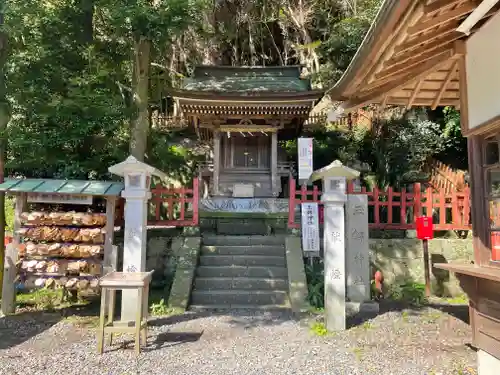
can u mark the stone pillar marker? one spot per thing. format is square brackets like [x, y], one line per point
[136, 193]
[357, 249]
[334, 196]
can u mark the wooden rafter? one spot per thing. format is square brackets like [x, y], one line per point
[442, 43]
[439, 5]
[408, 65]
[418, 59]
[442, 19]
[449, 76]
[427, 38]
[395, 85]
[415, 93]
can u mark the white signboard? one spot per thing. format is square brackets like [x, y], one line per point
[310, 227]
[305, 152]
[60, 198]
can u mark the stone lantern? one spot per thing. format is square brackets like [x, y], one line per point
[137, 193]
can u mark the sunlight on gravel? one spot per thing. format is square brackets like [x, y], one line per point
[423, 342]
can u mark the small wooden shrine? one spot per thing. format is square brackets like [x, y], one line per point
[63, 235]
[244, 113]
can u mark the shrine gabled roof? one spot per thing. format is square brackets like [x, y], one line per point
[227, 79]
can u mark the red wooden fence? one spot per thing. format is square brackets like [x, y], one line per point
[171, 206]
[390, 209]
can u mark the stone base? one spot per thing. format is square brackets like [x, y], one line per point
[355, 308]
[487, 364]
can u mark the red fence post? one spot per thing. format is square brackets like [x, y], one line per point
[196, 201]
[291, 202]
[417, 202]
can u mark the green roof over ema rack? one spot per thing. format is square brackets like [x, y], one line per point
[50, 186]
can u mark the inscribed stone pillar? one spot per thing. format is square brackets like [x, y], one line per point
[134, 247]
[334, 257]
[216, 162]
[357, 249]
[136, 193]
[274, 163]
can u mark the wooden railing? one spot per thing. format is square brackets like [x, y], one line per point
[171, 206]
[390, 209]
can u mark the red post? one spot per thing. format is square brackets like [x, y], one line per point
[425, 232]
[196, 200]
[376, 205]
[182, 202]
[389, 205]
[417, 202]
[403, 207]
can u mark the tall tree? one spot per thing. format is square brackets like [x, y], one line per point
[4, 120]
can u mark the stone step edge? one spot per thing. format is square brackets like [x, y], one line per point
[241, 278]
[241, 256]
[239, 291]
[246, 246]
[239, 307]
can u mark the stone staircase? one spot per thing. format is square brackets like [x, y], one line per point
[241, 272]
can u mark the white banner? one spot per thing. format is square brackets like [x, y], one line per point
[310, 227]
[305, 153]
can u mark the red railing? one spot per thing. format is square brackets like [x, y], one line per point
[390, 209]
[171, 206]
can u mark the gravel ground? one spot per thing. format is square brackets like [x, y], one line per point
[405, 342]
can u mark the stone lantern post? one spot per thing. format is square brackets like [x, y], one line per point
[334, 197]
[137, 193]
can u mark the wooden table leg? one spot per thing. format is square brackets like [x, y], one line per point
[102, 316]
[145, 314]
[138, 321]
[111, 311]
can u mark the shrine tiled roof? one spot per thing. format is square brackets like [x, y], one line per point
[223, 79]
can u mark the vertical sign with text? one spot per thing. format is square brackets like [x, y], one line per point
[310, 227]
[305, 154]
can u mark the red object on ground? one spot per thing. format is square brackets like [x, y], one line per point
[379, 281]
[8, 240]
[425, 228]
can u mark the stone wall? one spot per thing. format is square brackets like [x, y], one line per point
[160, 257]
[401, 260]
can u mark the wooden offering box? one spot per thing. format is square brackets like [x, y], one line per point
[63, 235]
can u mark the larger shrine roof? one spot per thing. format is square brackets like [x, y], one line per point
[225, 79]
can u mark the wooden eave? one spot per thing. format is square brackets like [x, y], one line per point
[247, 97]
[420, 62]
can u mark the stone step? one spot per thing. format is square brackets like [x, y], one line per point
[272, 250]
[242, 260]
[241, 271]
[239, 297]
[255, 240]
[232, 308]
[242, 283]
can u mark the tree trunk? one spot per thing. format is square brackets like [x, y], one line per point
[4, 120]
[140, 88]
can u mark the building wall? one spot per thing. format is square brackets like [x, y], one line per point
[483, 78]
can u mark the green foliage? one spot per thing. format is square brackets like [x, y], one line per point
[397, 150]
[9, 214]
[455, 144]
[409, 292]
[319, 329]
[316, 283]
